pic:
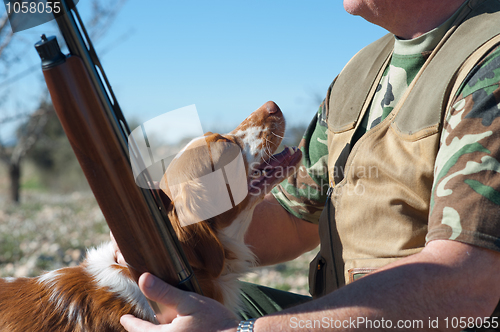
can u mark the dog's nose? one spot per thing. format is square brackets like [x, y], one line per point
[272, 107]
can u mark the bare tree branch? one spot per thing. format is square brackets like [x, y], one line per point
[103, 15]
[31, 133]
[6, 38]
[5, 43]
[3, 22]
[12, 118]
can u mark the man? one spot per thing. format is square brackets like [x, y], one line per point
[422, 228]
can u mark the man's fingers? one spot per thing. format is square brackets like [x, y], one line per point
[180, 311]
[166, 296]
[118, 254]
[113, 241]
[132, 324]
[120, 259]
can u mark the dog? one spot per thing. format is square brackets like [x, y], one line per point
[94, 295]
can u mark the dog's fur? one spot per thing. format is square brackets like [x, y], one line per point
[94, 295]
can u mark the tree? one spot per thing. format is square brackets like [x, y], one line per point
[103, 14]
[27, 136]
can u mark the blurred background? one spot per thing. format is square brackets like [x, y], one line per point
[226, 57]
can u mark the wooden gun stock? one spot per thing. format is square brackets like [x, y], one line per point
[136, 216]
[107, 169]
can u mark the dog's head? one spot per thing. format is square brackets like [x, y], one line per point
[216, 181]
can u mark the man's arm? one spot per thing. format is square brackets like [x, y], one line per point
[447, 280]
[277, 236]
[274, 235]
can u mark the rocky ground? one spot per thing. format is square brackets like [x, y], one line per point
[48, 231]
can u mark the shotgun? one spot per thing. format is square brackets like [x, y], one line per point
[97, 130]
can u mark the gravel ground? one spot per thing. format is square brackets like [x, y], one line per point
[49, 231]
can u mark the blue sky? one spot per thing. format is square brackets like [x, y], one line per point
[226, 57]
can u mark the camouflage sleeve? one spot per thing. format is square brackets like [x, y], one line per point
[465, 202]
[304, 193]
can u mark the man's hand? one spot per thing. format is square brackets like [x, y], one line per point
[181, 311]
[118, 254]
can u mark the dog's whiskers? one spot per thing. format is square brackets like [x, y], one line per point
[264, 155]
[272, 132]
[268, 150]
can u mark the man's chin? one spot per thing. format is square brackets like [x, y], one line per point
[353, 7]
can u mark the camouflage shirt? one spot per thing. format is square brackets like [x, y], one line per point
[466, 175]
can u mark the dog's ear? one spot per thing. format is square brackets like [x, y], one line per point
[200, 243]
[203, 248]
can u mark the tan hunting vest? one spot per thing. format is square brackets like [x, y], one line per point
[379, 206]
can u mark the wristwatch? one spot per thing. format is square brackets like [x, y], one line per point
[246, 325]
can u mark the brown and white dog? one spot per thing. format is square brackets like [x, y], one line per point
[94, 295]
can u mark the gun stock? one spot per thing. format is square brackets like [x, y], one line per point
[97, 132]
